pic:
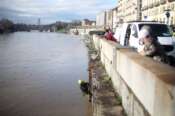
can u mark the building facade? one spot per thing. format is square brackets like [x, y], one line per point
[101, 19]
[115, 21]
[157, 10]
[133, 10]
[87, 22]
[129, 10]
[109, 19]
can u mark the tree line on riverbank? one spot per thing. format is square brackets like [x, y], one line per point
[8, 26]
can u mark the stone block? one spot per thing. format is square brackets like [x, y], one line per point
[147, 87]
[127, 99]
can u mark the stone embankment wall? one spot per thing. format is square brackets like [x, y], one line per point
[147, 88]
[85, 30]
[105, 101]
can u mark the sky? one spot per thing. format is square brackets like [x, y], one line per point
[49, 11]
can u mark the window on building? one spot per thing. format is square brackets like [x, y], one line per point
[171, 22]
[160, 20]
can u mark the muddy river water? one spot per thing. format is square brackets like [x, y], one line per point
[39, 73]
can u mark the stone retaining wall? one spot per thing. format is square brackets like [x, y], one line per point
[147, 87]
[84, 30]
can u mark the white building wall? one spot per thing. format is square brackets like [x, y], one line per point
[101, 19]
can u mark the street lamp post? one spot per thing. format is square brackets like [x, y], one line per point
[167, 14]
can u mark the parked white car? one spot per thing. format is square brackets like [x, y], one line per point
[130, 31]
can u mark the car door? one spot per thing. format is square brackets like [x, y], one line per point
[123, 34]
[134, 40]
[127, 35]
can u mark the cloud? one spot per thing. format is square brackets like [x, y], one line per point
[52, 10]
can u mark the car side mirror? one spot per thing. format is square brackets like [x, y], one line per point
[134, 35]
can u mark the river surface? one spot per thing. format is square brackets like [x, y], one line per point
[39, 73]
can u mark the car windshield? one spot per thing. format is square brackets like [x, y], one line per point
[159, 29]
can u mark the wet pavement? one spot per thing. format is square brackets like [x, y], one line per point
[39, 73]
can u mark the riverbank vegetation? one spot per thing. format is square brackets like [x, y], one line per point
[6, 26]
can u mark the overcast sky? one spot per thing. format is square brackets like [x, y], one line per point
[28, 11]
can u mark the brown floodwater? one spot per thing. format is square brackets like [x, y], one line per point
[39, 73]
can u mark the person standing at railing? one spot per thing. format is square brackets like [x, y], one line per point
[109, 35]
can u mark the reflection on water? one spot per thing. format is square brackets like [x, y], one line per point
[39, 73]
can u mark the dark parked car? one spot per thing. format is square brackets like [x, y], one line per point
[97, 32]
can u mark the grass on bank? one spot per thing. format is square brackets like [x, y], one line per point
[62, 30]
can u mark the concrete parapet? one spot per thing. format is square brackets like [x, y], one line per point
[84, 30]
[147, 87]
